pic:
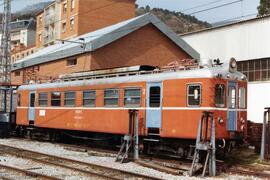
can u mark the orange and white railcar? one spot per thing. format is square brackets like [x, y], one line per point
[169, 103]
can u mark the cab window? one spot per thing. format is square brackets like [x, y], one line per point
[232, 97]
[220, 95]
[194, 95]
[242, 98]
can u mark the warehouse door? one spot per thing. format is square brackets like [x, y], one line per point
[154, 105]
[232, 107]
[31, 106]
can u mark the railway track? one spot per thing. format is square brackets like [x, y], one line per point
[92, 170]
[22, 173]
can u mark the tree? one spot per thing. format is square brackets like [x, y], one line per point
[264, 7]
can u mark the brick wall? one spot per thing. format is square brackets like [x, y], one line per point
[39, 30]
[146, 46]
[96, 14]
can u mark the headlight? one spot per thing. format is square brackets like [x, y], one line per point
[242, 120]
[233, 65]
[220, 120]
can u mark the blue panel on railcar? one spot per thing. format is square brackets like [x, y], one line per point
[154, 105]
[232, 107]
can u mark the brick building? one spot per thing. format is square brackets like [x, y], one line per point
[143, 40]
[65, 19]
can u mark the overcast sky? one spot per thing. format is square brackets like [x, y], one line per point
[219, 14]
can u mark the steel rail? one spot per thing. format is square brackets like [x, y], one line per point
[84, 167]
[28, 173]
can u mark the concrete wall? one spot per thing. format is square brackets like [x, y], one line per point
[258, 99]
[243, 41]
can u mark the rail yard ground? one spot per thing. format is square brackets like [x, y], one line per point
[57, 168]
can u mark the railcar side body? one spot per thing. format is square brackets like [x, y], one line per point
[171, 103]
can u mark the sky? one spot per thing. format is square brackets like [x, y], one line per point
[235, 10]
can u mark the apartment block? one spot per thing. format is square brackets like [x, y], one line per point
[22, 33]
[65, 19]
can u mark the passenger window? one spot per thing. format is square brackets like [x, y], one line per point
[132, 97]
[89, 98]
[43, 99]
[220, 95]
[232, 97]
[194, 95]
[242, 98]
[69, 99]
[111, 97]
[154, 100]
[55, 99]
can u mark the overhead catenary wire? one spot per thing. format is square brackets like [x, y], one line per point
[215, 7]
[201, 5]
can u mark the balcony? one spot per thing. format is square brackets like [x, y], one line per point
[48, 38]
[50, 19]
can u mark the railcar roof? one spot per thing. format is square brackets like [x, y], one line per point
[187, 74]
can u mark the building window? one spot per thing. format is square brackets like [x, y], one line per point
[40, 20]
[43, 99]
[111, 97]
[55, 99]
[242, 98]
[64, 27]
[220, 95]
[132, 97]
[64, 7]
[194, 95]
[69, 98]
[255, 70]
[72, 4]
[17, 73]
[71, 62]
[72, 21]
[89, 98]
[40, 37]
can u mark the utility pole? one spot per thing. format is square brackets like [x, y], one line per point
[5, 63]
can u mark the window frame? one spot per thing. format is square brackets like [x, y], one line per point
[230, 97]
[19, 100]
[53, 99]
[72, 5]
[240, 100]
[64, 7]
[140, 97]
[70, 99]
[83, 98]
[64, 27]
[188, 95]
[17, 73]
[68, 64]
[105, 98]
[72, 19]
[39, 99]
[224, 96]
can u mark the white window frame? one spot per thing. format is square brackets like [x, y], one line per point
[134, 97]
[190, 95]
